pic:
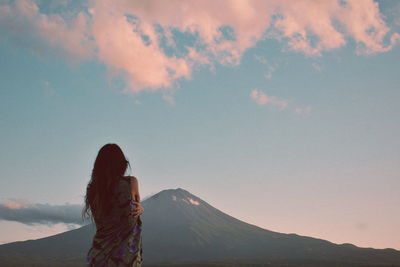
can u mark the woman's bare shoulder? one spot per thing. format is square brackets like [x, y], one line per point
[134, 188]
[129, 177]
[133, 178]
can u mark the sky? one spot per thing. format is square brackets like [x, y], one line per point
[283, 114]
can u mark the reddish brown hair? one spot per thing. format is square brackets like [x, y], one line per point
[109, 166]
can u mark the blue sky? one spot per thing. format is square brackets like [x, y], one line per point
[317, 156]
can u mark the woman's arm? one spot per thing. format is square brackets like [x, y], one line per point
[136, 196]
[135, 189]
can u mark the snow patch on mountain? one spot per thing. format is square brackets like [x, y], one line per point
[187, 200]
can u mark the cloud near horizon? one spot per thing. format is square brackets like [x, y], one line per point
[21, 210]
[153, 44]
[31, 214]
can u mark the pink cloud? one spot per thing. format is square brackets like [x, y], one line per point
[330, 23]
[131, 37]
[69, 34]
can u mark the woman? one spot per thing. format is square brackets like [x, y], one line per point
[113, 202]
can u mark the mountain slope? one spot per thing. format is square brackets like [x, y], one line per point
[180, 227]
[174, 223]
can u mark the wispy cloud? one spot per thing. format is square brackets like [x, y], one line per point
[169, 99]
[22, 211]
[271, 67]
[316, 66]
[48, 89]
[303, 110]
[138, 40]
[262, 99]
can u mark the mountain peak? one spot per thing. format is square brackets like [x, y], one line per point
[179, 189]
[177, 195]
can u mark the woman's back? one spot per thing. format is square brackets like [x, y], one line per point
[118, 240]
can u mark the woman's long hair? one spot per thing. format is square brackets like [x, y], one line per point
[109, 166]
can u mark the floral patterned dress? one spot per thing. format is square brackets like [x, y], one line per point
[118, 240]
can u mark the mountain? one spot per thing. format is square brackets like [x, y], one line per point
[181, 229]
